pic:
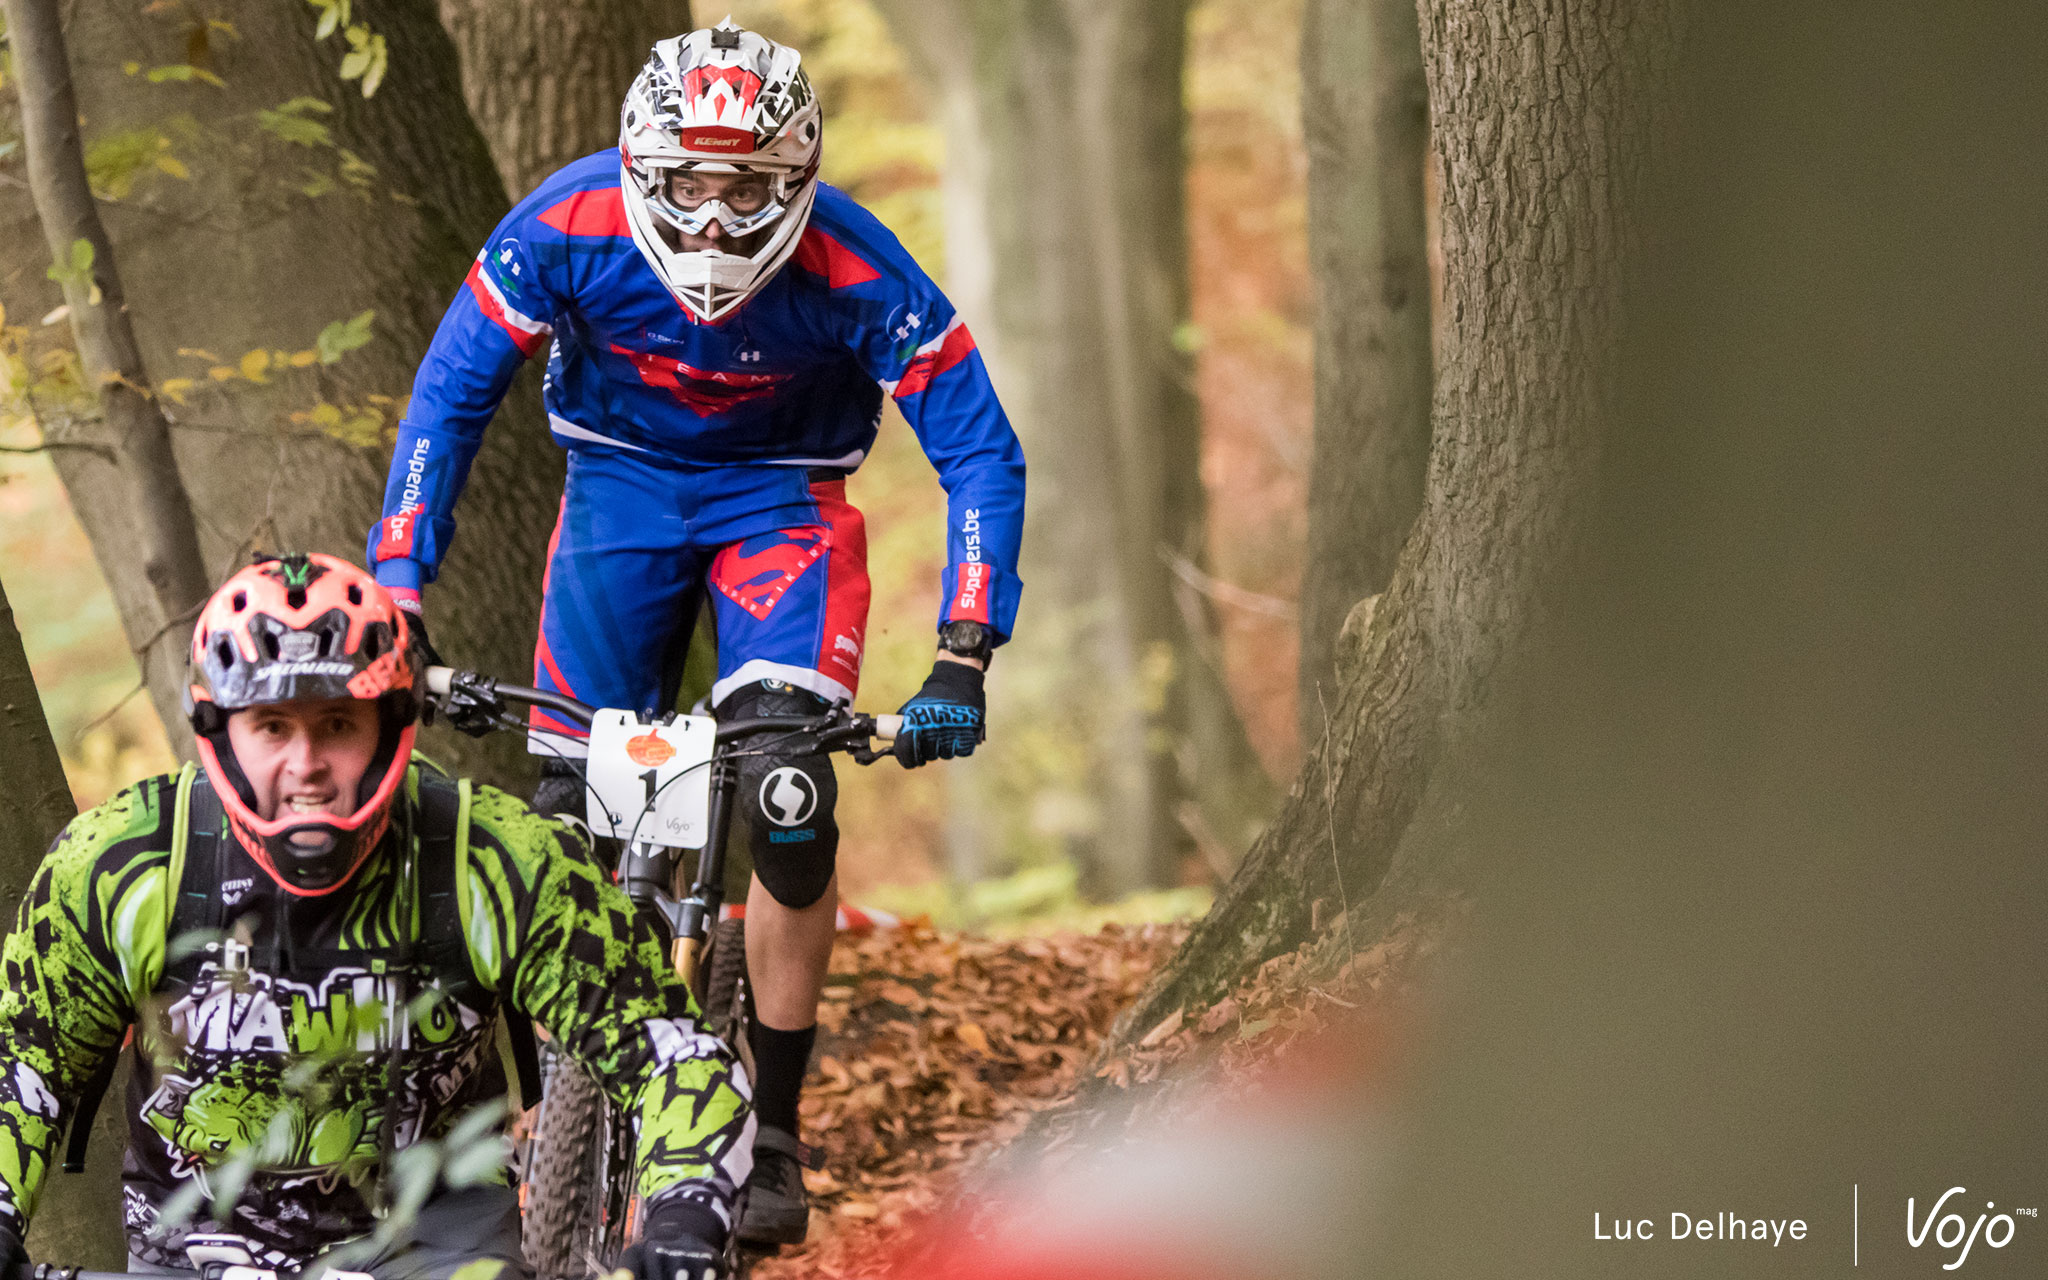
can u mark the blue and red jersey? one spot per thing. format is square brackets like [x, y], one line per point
[793, 378]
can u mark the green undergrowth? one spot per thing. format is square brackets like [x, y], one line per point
[1037, 900]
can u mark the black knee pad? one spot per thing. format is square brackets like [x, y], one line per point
[785, 798]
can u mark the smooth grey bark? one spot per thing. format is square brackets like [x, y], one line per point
[1544, 115]
[164, 545]
[1066, 165]
[1365, 120]
[242, 257]
[544, 79]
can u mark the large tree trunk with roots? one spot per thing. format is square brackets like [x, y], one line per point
[295, 216]
[74, 1217]
[1365, 119]
[1066, 134]
[1543, 115]
[545, 78]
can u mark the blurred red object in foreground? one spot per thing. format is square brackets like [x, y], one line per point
[1263, 1171]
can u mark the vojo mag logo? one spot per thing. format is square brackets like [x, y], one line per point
[1950, 1231]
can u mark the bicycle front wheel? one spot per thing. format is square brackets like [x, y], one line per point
[564, 1209]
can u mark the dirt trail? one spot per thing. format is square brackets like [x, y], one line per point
[936, 1047]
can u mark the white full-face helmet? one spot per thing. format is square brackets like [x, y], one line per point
[720, 100]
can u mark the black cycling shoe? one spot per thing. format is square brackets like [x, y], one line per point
[778, 1211]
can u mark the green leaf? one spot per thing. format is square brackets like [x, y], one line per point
[478, 1124]
[184, 72]
[295, 128]
[355, 64]
[328, 22]
[301, 105]
[343, 336]
[380, 61]
[78, 266]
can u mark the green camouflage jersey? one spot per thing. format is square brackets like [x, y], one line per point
[286, 1042]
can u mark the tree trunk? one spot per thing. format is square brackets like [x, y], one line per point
[1543, 115]
[545, 79]
[36, 802]
[75, 1214]
[269, 242]
[164, 546]
[1067, 131]
[1365, 119]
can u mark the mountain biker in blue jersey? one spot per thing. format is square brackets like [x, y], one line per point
[721, 328]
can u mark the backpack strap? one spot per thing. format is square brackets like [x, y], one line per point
[444, 910]
[178, 907]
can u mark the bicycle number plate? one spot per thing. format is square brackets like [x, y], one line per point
[650, 781]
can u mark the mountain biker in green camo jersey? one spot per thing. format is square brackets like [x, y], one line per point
[314, 932]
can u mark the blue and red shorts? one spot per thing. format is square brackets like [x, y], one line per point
[784, 556]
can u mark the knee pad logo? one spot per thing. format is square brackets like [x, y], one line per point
[788, 796]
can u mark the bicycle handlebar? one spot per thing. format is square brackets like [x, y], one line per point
[841, 728]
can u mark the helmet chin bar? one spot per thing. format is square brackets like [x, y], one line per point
[710, 285]
[309, 864]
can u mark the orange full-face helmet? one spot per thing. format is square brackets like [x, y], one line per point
[305, 628]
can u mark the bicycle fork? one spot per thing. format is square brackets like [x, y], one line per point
[649, 874]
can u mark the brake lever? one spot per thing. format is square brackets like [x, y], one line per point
[470, 705]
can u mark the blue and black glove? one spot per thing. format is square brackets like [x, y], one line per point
[674, 1248]
[947, 718]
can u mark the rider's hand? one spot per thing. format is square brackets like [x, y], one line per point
[672, 1249]
[14, 1264]
[947, 718]
[418, 621]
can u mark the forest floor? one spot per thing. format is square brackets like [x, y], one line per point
[938, 1050]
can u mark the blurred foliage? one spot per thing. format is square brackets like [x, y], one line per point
[880, 145]
[1035, 901]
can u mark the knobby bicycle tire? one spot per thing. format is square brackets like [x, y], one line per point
[723, 990]
[564, 1210]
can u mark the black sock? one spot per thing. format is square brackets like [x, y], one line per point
[780, 1060]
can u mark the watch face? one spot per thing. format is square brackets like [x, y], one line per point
[969, 638]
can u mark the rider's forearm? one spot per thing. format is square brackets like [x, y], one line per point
[559, 940]
[480, 345]
[64, 1000]
[429, 469]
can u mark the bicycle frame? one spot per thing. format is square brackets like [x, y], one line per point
[648, 871]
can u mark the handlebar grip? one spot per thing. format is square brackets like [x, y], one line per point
[888, 728]
[440, 680]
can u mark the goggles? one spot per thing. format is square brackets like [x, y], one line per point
[693, 220]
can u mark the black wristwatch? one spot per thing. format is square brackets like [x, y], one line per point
[968, 640]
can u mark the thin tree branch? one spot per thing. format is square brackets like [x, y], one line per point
[103, 451]
[78, 739]
[1224, 592]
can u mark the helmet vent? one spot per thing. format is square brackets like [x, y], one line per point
[270, 644]
[355, 594]
[295, 598]
[326, 643]
[373, 642]
[224, 649]
[241, 601]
